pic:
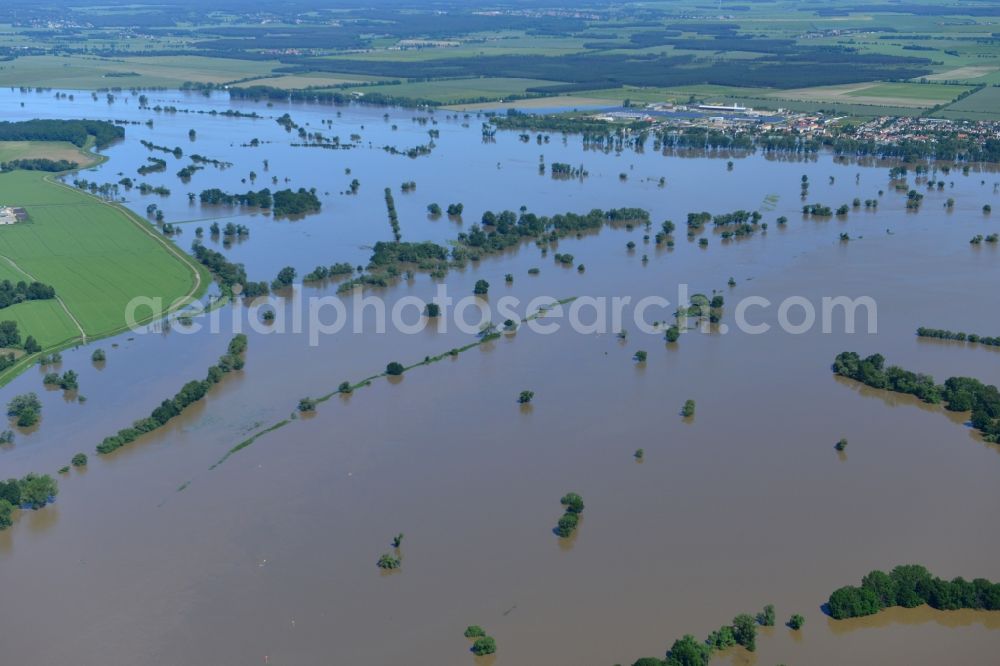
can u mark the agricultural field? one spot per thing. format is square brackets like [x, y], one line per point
[916, 95]
[95, 255]
[981, 105]
[450, 91]
[301, 81]
[91, 73]
[678, 95]
[51, 150]
[858, 56]
[556, 102]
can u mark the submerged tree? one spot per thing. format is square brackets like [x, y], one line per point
[766, 617]
[484, 645]
[745, 631]
[389, 562]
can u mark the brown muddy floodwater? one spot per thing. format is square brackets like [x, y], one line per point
[150, 557]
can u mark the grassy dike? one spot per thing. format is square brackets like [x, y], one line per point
[483, 339]
[98, 255]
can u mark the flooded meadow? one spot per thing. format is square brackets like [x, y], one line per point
[157, 554]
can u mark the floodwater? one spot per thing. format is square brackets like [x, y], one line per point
[150, 557]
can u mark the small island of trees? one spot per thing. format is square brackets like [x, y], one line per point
[33, 491]
[389, 562]
[25, 408]
[687, 411]
[571, 517]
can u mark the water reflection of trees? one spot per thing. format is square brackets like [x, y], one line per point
[893, 399]
[898, 615]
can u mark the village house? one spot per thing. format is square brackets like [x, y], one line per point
[12, 215]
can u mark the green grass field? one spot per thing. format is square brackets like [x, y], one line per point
[95, 255]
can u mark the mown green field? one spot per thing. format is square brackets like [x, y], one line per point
[94, 254]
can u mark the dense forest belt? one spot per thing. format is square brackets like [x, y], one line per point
[346, 387]
[190, 393]
[909, 586]
[958, 336]
[959, 394]
[39, 164]
[76, 132]
[282, 203]
[812, 66]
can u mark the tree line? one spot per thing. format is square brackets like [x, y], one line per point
[909, 586]
[216, 197]
[958, 336]
[959, 394]
[10, 337]
[39, 164]
[73, 131]
[227, 273]
[12, 294]
[191, 392]
[742, 631]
